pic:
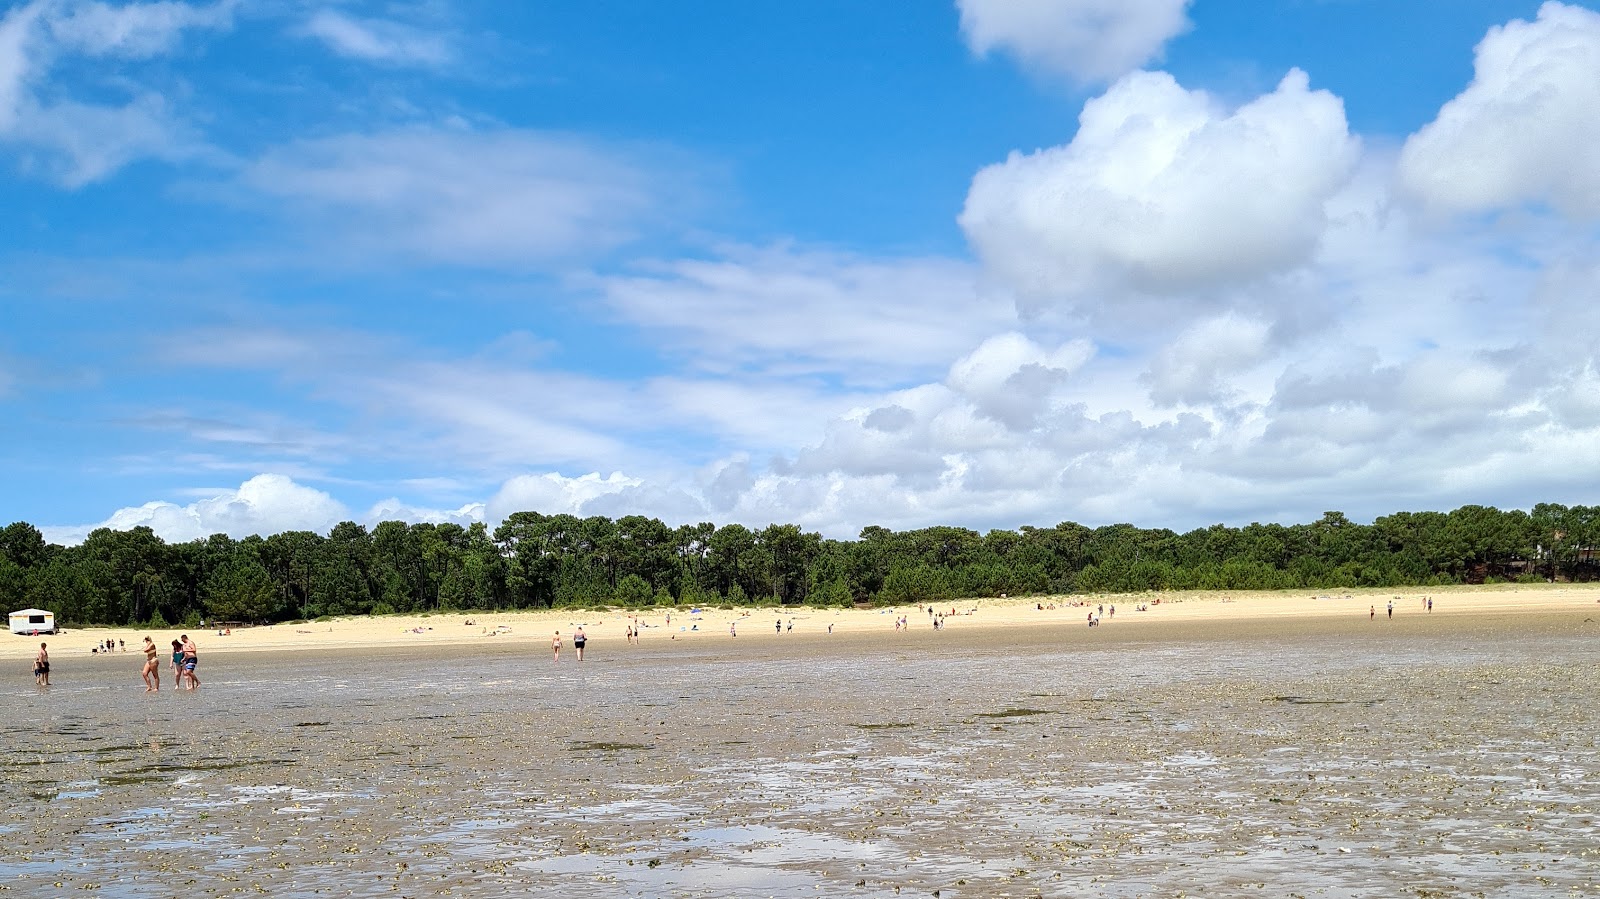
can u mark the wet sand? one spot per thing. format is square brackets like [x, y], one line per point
[1443, 755]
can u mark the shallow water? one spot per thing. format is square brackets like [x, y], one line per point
[1268, 762]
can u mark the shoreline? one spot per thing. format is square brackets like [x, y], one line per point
[1016, 617]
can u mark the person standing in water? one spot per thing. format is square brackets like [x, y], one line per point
[555, 645]
[578, 639]
[41, 666]
[152, 668]
[191, 661]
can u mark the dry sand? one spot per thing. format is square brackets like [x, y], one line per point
[1015, 617]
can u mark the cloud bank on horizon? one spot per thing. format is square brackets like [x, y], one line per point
[450, 269]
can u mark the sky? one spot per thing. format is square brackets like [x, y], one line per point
[274, 264]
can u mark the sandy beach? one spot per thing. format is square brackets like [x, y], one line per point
[1218, 746]
[1016, 618]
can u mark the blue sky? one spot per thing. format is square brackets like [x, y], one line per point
[275, 264]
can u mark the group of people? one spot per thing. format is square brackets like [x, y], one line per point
[185, 658]
[1372, 611]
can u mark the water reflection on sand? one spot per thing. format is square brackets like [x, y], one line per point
[1334, 764]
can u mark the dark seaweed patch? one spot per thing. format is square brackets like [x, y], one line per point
[1015, 713]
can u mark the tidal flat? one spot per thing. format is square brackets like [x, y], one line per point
[1330, 758]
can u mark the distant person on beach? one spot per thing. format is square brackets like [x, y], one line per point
[191, 661]
[41, 666]
[1430, 604]
[152, 667]
[1372, 613]
[578, 639]
[555, 645]
[791, 627]
[177, 664]
[733, 628]
[1391, 608]
[777, 626]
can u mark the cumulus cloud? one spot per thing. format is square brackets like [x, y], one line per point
[265, 504]
[78, 142]
[1010, 378]
[1525, 129]
[502, 197]
[394, 509]
[553, 493]
[1087, 40]
[1160, 193]
[1196, 367]
[377, 40]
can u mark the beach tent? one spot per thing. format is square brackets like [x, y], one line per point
[33, 621]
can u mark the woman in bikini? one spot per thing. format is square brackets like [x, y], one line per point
[152, 668]
[555, 644]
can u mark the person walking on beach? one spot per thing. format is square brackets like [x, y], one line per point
[1372, 613]
[152, 668]
[191, 661]
[578, 639]
[41, 667]
[555, 645]
[1391, 608]
[1430, 604]
[777, 626]
[177, 664]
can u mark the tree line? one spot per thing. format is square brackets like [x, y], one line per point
[535, 561]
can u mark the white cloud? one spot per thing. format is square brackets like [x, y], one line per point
[265, 504]
[790, 311]
[1526, 128]
[16, 61]
[553, 493]
[1010, 379]
[393, 509]
[378, 40]
[1160, 192]
[505, 197]
[77, 142]
[134, 30]
[1195, 368]
[1088, 40]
